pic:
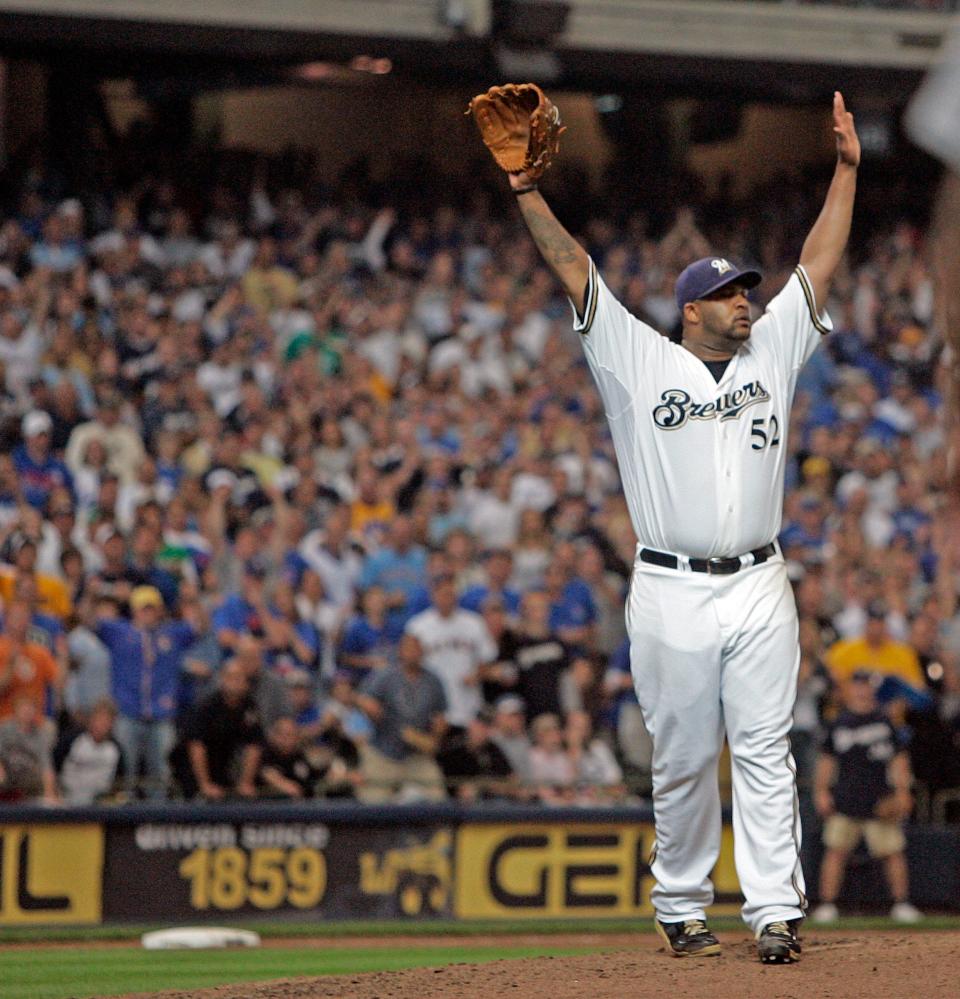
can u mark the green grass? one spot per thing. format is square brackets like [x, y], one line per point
[432, 928]
[79, 972]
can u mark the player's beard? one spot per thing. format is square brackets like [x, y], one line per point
[739, 330]
[732, 335]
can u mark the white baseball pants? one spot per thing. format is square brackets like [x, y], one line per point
[714, 655]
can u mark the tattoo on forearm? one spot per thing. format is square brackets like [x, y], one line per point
[554, 242]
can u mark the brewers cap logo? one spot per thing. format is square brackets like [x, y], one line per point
[721, 266]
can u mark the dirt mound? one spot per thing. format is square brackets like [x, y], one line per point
[864, 965]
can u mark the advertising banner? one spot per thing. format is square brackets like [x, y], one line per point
[206, 870]
[211, 865]
[567, 869]
[200, 869]
[50, 874]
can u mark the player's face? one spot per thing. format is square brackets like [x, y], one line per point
[725, 315]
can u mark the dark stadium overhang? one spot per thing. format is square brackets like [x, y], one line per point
[207, 56]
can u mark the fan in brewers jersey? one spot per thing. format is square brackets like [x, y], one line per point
[862, 790]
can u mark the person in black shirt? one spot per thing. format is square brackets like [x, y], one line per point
[862, 789]
[110, 580]
[539, 657]
[933, 756]
[219, 751]
[475, 766]
[285, 771]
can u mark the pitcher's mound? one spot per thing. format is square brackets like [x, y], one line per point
[861, 965]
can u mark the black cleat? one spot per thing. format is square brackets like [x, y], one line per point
[778, 942]
[688, 938]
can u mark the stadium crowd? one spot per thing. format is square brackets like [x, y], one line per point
[306, 493]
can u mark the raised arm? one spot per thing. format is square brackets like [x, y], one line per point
[521, 128]
[827, 240]
[564, 255]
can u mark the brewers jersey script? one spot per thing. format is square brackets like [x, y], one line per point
[701, 462]
[713, 655]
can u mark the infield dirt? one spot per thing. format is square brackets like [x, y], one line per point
[864, 965]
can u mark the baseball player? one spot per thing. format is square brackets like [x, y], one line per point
[700, 433]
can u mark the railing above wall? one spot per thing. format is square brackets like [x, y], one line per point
[339, 812]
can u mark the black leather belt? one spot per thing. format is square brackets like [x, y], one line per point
[713, 566]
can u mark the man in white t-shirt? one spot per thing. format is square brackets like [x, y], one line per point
[332, 556]
[492, 515]
[456, 647]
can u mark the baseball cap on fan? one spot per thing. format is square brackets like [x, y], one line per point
[704, 277]
[36, 422]
[145, 596]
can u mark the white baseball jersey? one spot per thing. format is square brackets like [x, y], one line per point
[701, 462]
[712, 656]
[454, 648]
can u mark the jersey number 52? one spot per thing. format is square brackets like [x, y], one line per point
[764, 433]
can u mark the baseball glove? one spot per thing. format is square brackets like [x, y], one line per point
[520, 126]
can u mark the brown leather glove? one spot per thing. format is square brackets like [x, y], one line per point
[520, 126]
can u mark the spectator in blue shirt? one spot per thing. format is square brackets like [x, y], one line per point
[243, 613]
[805, 532]
[369, 641]
[435, 433]
[573, 612]
[445, 515]
[910, 518]
[341, 718]
[498, 568]
[292, 644]
[38, 470]
[146, 656]
[289, 643]
[54, 250]
[304, 706]
[400, 567]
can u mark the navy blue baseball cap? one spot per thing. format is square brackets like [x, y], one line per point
[704, 277]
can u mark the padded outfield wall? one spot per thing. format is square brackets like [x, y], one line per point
[188, 863]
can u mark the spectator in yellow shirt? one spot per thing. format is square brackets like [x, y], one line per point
[372, 510]
[876, 652]
[52, 594]
[266, 285]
